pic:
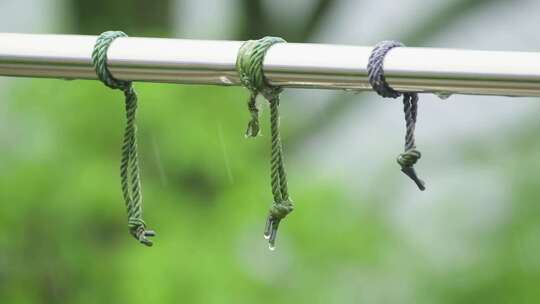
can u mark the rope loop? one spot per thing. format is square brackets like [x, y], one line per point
[99, 59]
[280, 210]
[129, 164]
[379, 84]
[250, 67]
[376, 72]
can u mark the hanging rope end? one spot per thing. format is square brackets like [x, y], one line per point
[253, 128]
[278, 212]
[270, 231]
[143, 237]
[411, 173]
[137, 228]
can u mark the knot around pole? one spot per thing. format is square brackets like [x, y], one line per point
[249, 64]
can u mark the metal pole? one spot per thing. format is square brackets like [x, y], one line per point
[298, 65]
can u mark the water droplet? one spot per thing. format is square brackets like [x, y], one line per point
[272, 247]
[225, 80]
[351, 90]
[266, 236]
[443, 95]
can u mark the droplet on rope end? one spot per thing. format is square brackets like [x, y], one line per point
[272, 241]
[270, 232]
[267, 228]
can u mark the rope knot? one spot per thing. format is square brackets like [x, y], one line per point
[137, 228]
[279, 211]
[407, 160]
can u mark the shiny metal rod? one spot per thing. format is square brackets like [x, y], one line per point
[297, 65]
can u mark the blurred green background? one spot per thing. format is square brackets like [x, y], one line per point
[361, 232]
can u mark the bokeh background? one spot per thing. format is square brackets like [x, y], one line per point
[361, 232]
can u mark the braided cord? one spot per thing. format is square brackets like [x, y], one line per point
[129, 165]
[376, 78]
[278, 148]
[250, 67]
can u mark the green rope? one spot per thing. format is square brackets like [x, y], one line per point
[129, 165]
[250, 67]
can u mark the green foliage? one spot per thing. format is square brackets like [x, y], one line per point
[206, 193]
[141, 17]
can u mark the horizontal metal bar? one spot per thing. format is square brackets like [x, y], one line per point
[298, 65]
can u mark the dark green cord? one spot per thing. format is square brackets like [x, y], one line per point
[250, 67]
[376, 78]
[129, 165]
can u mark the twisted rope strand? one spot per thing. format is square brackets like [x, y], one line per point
[250, 67]
[279, 185]
[376, 78]
[278, 146]
[275, 155]
[409, 109]
[129, 164]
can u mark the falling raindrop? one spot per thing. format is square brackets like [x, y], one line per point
[272, 247]
[225, 154]
[159, 163]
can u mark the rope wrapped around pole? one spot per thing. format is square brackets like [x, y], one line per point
[129, 165]
[250, 67]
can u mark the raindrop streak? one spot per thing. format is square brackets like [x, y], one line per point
[225, 154]
[159, 165]
[443, 95]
